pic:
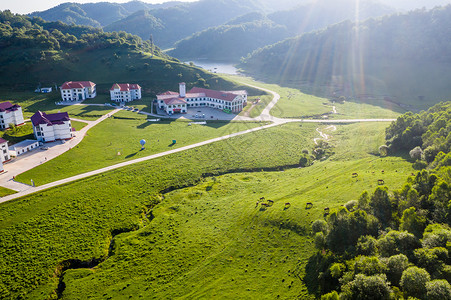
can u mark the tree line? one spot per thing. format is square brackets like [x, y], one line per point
[393, 244]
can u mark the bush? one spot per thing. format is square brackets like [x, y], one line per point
[367, 245]
[367, 287]
[396, 264]
[319, 226]
[416, 153]
[413, 281]
[438, 290]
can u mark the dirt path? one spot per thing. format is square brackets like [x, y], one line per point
[324, 136]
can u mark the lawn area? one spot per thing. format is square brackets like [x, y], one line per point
[18, 133]
[294, 103]
[5, 192]
[30, 101]
[117, 139]
[78, 125]
[256, 110]
[203, 241]
[84, 112]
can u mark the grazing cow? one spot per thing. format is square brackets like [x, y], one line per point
[256, 204]
[262, 199]
[326, 210]
[288, 204]
[270, 202]
[265, 204]
[355, 174]
[383, 171]
[380, 182]
[308, 205]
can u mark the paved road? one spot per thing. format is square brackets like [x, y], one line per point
[265, 116]
[30, 190]
[35, 158]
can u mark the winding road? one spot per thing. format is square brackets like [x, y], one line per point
[37, 158]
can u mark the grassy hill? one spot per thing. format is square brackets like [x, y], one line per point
[384, 58]
[200, 241]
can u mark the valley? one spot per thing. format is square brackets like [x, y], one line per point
[305, 154]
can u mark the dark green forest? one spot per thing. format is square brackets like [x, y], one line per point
[34, 51]
[393, 243]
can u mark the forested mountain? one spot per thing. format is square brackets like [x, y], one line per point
[34, 51]
[397, 56]
[230, 42]
[394, 244]
[96, 14]
[181, 21]
[252, 31]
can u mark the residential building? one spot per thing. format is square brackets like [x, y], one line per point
[23, 147]
[173, 102]
[4, 150]
[125, 92]
[10, 114]
[78, 90]
[51, 127]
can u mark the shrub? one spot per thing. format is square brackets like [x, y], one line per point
[319, 226]
[367, 287]
[438, 290]
[413, 281]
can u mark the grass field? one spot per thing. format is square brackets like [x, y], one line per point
[294, 103]
[256, 110]
[117, 139]
[200, 242]
[5, 192]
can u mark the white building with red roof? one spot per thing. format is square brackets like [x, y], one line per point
[51, 127]
[125, 92]
[10, 114]
[78, 90]
[230, 101]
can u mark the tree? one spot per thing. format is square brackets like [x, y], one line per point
[380, 205]
[397, 242]
[433, 260]
[416, 153]
[367, 287]
[438, 290]
[383, 150]
[330, 296]
[320, 241]
[367, 245]
[413, 223]
[396, 264]
[319, 226]
[369, 265]
[413, 281]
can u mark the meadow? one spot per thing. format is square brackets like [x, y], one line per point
[117, 139]
[206, 237]
[294, 103]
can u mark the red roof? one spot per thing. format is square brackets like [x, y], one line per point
[7, 106]
[77, 85]
[174, 101]
[2, 141]
[221, 95]
[125, 87]
[50, 119]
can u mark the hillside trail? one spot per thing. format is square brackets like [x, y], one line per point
[324, 136]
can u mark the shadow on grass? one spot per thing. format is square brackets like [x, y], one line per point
[131, 155]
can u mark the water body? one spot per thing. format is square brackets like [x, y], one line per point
[215, 66]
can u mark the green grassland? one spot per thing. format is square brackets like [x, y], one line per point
[5, 192]
[200, 242]
[256, 110]
[294, 103]
[117, 139]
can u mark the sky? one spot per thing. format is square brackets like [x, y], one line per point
[28, 6]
